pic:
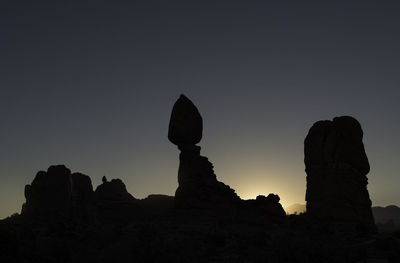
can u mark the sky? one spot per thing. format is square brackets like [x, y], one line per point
[91, 84]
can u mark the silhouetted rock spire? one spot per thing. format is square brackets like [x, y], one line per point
[336, 167]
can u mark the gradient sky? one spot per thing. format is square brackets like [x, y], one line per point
[91, 85]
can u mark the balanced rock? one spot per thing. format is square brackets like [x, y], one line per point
[198, 185]
[336, 168]
[186, 124]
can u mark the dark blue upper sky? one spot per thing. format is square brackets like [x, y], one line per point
[91, 84]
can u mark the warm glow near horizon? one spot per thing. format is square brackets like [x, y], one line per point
[262, 183]
[256, 191]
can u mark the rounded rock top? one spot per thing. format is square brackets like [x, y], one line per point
[186, 123]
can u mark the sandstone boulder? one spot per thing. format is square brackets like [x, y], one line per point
[186, 124]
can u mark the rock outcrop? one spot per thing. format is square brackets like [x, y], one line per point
[198, 185]
[336, 166]
[114, 203]
[113, 191]
[266, 205]
[58, 193]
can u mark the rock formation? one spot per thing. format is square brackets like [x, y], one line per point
[58, 193]
[114, 191]
[114, 203]
[198, 185]
[82, 196]
[266, 205]
[336, 166]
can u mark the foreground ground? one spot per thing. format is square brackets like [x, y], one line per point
[192, 236]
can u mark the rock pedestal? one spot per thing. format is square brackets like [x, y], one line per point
[198, 184]
[336, 167]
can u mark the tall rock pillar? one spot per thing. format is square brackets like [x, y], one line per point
[336, 167]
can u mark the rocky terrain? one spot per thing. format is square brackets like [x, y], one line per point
[124, 229]
[65, 220]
